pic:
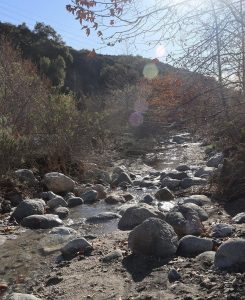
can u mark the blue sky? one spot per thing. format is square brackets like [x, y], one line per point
[53, 12]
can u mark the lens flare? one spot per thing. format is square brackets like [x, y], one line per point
[150, 71]
[141, 106]
[160, 51]
[136, 119]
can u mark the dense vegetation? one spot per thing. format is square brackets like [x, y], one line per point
[55, 99]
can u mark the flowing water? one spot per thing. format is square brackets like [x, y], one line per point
[22, 255]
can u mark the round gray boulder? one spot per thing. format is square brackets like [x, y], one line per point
[27, 208]
[222, 230]
[58, 182]
[56, 202]
[190, 246]
[184, 220]
[75, 247]
[230, 255]
[137, 214]
[203, 215]
[153, 237]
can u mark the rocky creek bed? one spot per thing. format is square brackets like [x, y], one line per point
[150, 230]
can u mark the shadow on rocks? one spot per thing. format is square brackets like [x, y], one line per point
[142, 266]
[235, 207]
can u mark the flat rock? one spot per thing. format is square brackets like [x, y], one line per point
[103, 217]
[137, 214]
[200, 200]
[190, 246]
[19, 296]
[75, 247]
[58, 182]
[41, 221]
[222, 230]
[62, 230]
[114, 255]
[239, 218]
[230, 255]
[153, 237]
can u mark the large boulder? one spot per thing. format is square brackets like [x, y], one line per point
[230, 255]
[185, 221]
[75, 247]
[203, 215]
[58, 182]
[26, 176]
[27, 208]
[215, 160]
[192, 181]
[190, 246]
[41, 221]
[164, 194]
[153, 237]
[19, 296]
[56, 202]
[137, 214]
